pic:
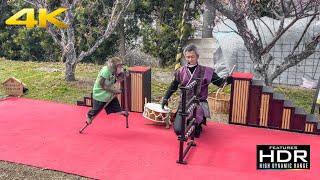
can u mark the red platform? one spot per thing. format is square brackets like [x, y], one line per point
[45, 134]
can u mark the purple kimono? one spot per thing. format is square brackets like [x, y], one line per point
[184, 76]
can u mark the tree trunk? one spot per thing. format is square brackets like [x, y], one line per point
[71, 63]
[208, 19]
[261, 68]
[268, 81]
[122, 41]
[63, 56]
[262, 75]
[70, 71]
[3, 7]
[162, 63]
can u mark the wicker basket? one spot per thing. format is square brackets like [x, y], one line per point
[219, 102]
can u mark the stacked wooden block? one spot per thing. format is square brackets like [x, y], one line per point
[254, 104]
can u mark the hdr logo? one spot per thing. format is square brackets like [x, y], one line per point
[43, 17]
[283, 156]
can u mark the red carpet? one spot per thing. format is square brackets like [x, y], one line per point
[45, 134]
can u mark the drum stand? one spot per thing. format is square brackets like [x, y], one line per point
[188, 111]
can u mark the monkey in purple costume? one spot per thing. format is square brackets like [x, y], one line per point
[184, 76]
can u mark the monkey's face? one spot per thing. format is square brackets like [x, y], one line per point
[118, 68]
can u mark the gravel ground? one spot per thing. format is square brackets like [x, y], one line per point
[10, 171]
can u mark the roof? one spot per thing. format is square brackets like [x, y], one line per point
[15, 79]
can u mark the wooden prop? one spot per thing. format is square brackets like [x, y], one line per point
[140, 79]
[87, 124]
[188, 108]
[126, 97]
[254, 104]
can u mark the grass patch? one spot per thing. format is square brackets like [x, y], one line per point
[46, 80]
[301, 97]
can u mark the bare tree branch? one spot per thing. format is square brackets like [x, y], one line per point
[54, 35]
[284, 9]
[307, 6]
[273, 42]
[224, 10]
[74, 3]
[267, 27]
[42, 4]
[293, 59]
[304, 32]
[274, 12]
[65, 38]
[234, 5]
[294, 7]
[281, 25]
[263, 35]
[30, 2]
[118, 9]
[250, 41]
[233, 30]
[259, 54]
[275, 39]
[257, 31]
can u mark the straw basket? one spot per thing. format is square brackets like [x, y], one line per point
[219, 102]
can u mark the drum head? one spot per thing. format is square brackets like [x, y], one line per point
[157, 107]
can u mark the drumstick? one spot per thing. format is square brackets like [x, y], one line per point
[225, 83]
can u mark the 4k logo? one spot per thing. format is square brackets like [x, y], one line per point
[44, 17]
